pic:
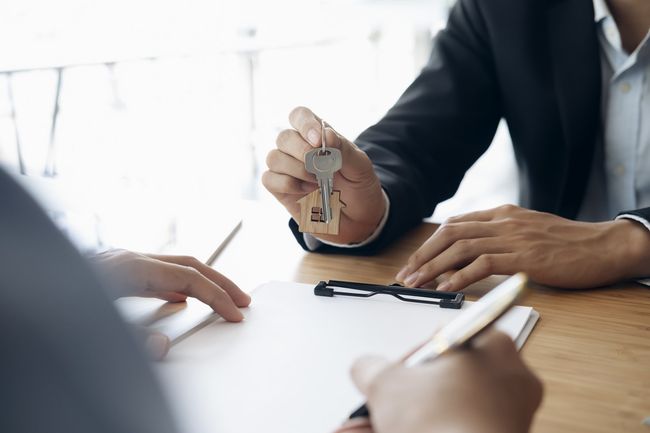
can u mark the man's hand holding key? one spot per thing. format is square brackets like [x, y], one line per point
[288, 179]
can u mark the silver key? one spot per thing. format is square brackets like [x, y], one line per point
[324, 162]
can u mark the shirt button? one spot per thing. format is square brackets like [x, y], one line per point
[625, 87]
[619, 170]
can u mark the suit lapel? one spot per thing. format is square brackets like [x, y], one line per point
[576, 71]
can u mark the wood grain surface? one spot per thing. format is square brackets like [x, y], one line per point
[591, 348]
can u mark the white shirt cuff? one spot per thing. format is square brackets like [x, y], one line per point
[313, 243]
[636, 218]
[646, 224]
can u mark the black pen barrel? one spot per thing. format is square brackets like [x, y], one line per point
[361, 412]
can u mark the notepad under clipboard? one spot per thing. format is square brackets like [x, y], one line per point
[289, 361]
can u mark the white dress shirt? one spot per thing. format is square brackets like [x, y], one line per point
[620, 177]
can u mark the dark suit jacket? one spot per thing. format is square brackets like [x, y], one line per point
[534, 63]
[68, 363]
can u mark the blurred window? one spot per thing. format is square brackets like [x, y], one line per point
[147, 108]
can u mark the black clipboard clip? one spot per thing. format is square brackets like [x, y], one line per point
[362, 290]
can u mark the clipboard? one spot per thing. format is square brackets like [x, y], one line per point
[288, 362]
[363, 290]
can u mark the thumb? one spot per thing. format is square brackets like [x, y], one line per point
[356, 164]
[365, 370]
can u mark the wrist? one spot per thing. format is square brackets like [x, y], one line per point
[111, 266]
[365, 228]
[633, 242]
[379, 203]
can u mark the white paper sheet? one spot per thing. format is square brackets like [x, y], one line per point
[286, 367]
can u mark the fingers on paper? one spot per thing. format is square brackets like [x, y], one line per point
[172, 277]
[240, 298]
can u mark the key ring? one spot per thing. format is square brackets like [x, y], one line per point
[323, 145]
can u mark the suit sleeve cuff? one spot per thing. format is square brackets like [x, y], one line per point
[312, 243]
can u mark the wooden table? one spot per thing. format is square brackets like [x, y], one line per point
[591, 347]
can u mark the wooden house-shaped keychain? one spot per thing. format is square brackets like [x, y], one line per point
[311, 214]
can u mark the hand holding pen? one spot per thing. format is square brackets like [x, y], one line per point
[489, 377]
[457, 335]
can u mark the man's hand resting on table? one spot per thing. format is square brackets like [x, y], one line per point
[173, 279]
[485, 388]
[552, 250]
[360, 188]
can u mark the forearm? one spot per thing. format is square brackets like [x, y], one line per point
[422, 147]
